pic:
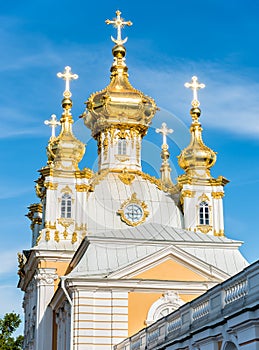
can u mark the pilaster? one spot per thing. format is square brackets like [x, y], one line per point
[45, 279]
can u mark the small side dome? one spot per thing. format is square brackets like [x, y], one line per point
[197, 154]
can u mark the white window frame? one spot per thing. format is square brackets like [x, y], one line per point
[204, 213]
[66, 206]
[122, 146]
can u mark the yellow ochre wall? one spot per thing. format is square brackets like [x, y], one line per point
[60, 266]
[171, 270]
[139, 303]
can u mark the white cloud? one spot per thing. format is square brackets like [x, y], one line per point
[229, 102]
[13, 192]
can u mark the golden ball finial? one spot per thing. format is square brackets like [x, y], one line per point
[119, 51]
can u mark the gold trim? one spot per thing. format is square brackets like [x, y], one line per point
[85, 173]
[49, 225]
[204, 198]
[219, 233]
[39, 238]
[204, 228]
[98, 177]
[51, 185]
[47, 235]
[133, 200]
[56, 236]
[188, 193]
[65, 222]
[188, 180]
[122, 157]
[126, 178]
[80, 227]
[66, 189]
[217, 195]
[83, 188]
[74, 237]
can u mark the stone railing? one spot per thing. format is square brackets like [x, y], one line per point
[226, 299]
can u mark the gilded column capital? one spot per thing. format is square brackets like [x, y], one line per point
[217, 195]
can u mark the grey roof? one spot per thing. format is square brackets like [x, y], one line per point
[158, 232]
[114, 250]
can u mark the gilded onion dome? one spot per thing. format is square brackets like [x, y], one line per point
[196, 156]
[65, 151]
[119, 103]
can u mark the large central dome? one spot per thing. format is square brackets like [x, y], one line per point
[119, 102]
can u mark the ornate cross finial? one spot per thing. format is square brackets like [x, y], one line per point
[195, 86]
[53, 123]
[67, 76]
[164, 131]
[119, 23]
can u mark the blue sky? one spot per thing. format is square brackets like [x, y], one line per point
[215, 40]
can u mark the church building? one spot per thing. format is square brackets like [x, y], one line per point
[115, 250]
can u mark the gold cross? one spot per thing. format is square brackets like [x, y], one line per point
[53, 123]
[67, 76]
[164, 131]
[119, 23]
[195, 86]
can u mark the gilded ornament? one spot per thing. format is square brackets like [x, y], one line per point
[85, 173]
[122, 157]
[219, 233]
[56, 236]
[74, 237]
[49, 225]
[47, 235]
[188, 193]
[204, 198]
[39, 238]
[126, 178]
[80, 227]
[65, 222]
[105, 145]
[83, 188]
[51, 185]
[138, 150]
[39, 188]
[204, 228]
[66, 189]
[133, 211]
[217, 195]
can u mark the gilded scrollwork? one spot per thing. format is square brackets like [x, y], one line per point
[135, 205]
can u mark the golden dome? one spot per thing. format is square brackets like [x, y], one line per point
[197, 155]
[65, 151]
[119, 104]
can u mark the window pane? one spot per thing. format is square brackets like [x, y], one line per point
[122, 146]
[204, 213]
[66, 206]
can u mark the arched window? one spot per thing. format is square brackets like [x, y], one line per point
[168, 303]
[66, 204]
[204, 214]
[122, 146]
